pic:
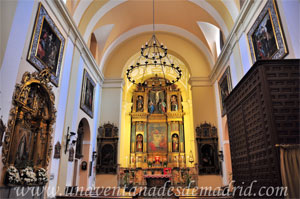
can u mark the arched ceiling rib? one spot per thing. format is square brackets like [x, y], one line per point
[80, 9]
[159, 27]
[177, 45]
[129, 18]
[166, 14]
[89, 13]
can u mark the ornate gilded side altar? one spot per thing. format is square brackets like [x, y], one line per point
[27, 143]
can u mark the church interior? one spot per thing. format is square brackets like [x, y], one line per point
[199, 97]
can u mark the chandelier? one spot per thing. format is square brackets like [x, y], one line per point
[154, 54]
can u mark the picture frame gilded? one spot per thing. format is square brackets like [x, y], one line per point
[87, 94]
[265, 37]
[47, 45]
[225, 87]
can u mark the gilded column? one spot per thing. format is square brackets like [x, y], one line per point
[181, 137]
[132, 147]
[169, 138]
[145, 138]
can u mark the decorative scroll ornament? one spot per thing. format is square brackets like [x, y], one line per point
[27, 142]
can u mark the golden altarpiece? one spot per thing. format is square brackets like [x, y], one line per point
[157, 141]
[27, 143]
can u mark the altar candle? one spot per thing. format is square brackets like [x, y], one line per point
[126, 162]
[177, 161]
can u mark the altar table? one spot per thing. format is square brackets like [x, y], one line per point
[157, 180]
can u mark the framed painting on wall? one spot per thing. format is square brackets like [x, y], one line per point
[266, 39]
[87, 94]
[225, 87]
[157, 137]
[47, 45]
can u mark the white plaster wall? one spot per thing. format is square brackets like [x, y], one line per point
[245, 53]
[60, 115]
[236, 67]
[220, 132]
[7, 13]
[111, 105]
[110, 111]
[13, 55]
[93, 147]
[289, 11]
[73, 116]
[12, 59]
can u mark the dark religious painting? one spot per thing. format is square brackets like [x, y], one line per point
[107, 155]
[87, 94]
[157, 138]
[265, 37]
[225, 88]
[47, 45]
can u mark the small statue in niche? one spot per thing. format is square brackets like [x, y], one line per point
[71, 154]
[22, 152]
[140, 104]
[139, 143]
[57, 150]
[151, 107]
[174, 103]
[175, 143]
[161, 106]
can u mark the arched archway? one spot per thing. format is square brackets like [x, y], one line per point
[82, 155]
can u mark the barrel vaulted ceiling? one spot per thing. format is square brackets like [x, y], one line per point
[117, 23]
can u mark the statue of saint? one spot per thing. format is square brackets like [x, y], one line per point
[175, 143]
[139, 143]
[174, 103]
[140, 104]
[161, 106]
[151, 107]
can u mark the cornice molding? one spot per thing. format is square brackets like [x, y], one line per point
[238, 29]
[199, 81]
[113, 83]
[75, 36]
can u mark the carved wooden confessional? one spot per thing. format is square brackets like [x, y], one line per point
[27, 142]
